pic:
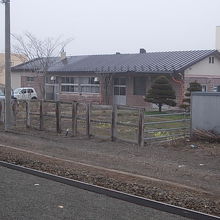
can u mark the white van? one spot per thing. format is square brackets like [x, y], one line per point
[25, 93]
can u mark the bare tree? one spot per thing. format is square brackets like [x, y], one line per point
[41, 52]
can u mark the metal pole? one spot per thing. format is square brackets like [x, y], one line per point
[8, 111]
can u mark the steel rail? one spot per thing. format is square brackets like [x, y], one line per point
[115, 194]
[165, 129]
[164, 115]
[165, 136]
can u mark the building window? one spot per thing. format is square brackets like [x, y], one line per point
[51, 79]
[204, 88]
[216, 88]
[30, 79]
[80, 84]
[139, 86]
[211, 59]
[119, 86]
[69, 88]
[68, 80]
[120, 90]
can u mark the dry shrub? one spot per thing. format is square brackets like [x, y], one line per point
[210, 136]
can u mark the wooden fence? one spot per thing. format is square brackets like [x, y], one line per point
[116, 122]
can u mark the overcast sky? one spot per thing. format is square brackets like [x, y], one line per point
[109, 26]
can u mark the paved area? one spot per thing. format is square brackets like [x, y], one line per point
[25, 196]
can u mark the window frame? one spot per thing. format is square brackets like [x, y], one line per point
[212, 60]
[30, 78]
[120, 86]
[92, 87]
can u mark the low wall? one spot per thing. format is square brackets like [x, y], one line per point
[205, 110]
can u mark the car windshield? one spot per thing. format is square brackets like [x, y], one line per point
[16, 91]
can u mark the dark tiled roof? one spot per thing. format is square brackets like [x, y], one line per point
[158, 62]
[35, 64]
[154, 62]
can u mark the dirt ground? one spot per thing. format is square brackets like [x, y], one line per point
[192, 164]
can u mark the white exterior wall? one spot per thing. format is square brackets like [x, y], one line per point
[15, 80]
[204, 68]
[205, 73]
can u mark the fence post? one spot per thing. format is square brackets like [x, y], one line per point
[88, 113]
[28, 119]
[58, 117]
[74, 118]
[141, 128]
[41, 116]
[114, 123]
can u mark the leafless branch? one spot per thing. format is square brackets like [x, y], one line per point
[32, 48]
[41, 51]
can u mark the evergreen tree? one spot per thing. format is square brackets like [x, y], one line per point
[161, 93]
[193, 87]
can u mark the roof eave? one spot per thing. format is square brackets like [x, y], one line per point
[110, 72]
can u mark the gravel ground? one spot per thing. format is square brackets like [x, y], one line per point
[44, 199]
[176, 164]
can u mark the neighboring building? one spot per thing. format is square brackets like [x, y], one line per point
[30, 74]
[207, 71]
[15, 60]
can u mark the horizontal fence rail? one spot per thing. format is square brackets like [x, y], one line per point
[165, 129]
[164, 122]
[165, 115]
[130, 124]
[162, 137]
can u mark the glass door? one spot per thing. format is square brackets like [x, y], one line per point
[119, 91]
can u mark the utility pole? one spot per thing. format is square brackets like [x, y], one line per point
[8, 109]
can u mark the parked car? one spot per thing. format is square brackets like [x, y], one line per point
[25, 93]
[2, 94]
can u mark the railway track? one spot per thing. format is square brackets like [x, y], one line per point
[115, 194]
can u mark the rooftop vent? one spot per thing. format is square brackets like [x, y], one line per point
[62, 54]
[142, 50]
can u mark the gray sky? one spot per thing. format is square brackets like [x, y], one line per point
[109, 26]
